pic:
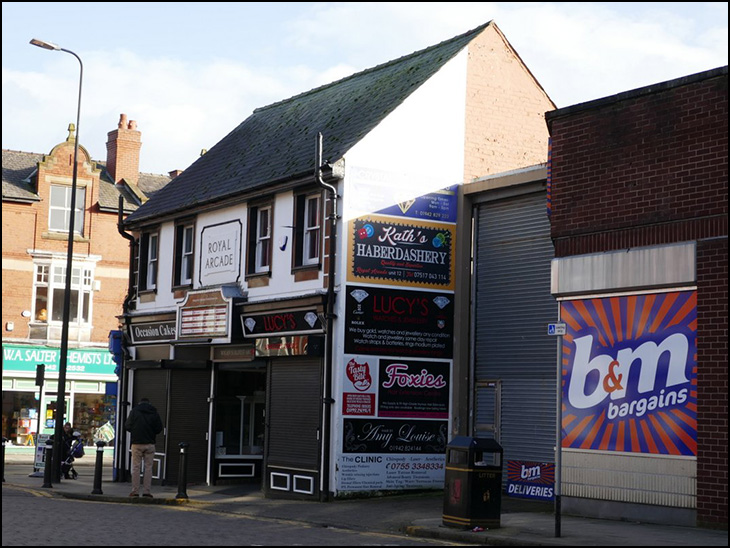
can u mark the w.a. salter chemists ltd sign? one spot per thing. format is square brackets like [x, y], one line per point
[88, 361]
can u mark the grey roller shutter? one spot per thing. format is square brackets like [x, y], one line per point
[293, 414]
[512, 307]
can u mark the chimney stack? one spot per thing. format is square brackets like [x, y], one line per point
[122, 151]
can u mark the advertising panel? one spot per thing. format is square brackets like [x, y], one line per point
[531, 480]
[401, 253]
[630, 373]
[393, 322]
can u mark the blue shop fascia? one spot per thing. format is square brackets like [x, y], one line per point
[91, 386]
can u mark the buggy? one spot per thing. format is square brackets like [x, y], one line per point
[75, 451]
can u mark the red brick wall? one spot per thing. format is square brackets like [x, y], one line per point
[712, 381]
[658, 162]
[646, 168]
[25, 227]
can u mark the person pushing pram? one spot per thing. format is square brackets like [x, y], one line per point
[72, 448]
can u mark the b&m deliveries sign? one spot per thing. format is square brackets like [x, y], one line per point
[629, 374]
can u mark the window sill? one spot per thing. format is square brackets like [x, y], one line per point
[63, 236]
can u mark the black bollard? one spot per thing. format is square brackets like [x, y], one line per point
[4, 440]
[48, 457]
[98, 468]
[183, 472]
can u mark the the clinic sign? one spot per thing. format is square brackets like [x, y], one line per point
[629, 373]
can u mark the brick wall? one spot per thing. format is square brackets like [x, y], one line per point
[649, 167]
[656, 162]
[712, 382]
[505, 110]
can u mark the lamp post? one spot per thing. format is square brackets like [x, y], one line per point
[61, 396]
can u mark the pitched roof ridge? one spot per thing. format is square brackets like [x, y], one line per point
[375, 68]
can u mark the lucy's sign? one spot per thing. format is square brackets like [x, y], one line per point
[630, 373]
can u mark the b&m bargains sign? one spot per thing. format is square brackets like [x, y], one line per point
[629, 374]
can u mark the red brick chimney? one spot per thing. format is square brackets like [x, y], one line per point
[122, 151]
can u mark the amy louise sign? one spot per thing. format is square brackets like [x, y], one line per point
[629, 374]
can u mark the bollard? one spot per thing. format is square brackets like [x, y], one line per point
[183, 472]
[48, 457]
[98, 468]
[4, 440]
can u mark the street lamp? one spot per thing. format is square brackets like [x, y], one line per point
[61, 396]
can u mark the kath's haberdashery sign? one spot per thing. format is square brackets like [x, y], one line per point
[630, 373]
[90, 361]
[401, 252]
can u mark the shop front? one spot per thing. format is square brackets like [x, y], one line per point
[91, 387]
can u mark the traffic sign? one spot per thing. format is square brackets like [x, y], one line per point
[556, 329]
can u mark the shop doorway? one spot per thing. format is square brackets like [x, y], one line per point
[240, 423]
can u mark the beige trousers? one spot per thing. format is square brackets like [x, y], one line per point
[139, 452]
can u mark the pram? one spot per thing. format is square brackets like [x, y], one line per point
[75, 451]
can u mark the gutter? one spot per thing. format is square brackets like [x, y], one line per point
[123, 405]
[327, 372]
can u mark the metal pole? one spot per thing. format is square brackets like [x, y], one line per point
[47, 481]
[558, 437]
[182, 479]
[99, 465]
[61, 397]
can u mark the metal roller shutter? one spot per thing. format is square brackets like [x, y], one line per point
[512, 307]
[293, 414]
[152, 384]
[189, 412]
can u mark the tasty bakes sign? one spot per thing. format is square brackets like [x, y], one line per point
[629, 381]
[396, 252]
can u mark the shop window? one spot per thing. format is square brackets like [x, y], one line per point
[184, 249]
[240, 410]
[59, 209]
[307, 230]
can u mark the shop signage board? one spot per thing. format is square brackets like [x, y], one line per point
[153, 332]
[531, 480]
[629, 381]
[204, 314]
[400, 195]
[288, 322]
[220, 253]
[392, 322]
[89, 361]
[396, 252]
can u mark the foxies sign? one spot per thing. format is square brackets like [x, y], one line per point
[630, 374]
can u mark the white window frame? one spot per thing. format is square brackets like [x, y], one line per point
[187, 259]
[152, 260]
[52, 276]
[312, 241]
[263, 239]
[65, 209]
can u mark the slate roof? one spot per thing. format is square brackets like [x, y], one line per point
[19, 184]
[277, 142]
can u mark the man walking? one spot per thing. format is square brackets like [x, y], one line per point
[144, 424]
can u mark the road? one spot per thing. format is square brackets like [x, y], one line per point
[35, 518]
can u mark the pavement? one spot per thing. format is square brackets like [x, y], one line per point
[523, 522]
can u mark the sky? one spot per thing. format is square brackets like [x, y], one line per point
[189, 73]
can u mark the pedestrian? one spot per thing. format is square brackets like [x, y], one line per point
[67, 439]
[144, 424]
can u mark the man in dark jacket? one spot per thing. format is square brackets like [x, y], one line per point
[144, 424]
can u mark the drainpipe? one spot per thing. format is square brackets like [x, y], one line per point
[327, 399]
[124, 404]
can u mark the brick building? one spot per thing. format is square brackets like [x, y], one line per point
[36, 204]
[638, 201]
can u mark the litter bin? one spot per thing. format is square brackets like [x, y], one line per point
[473, 483]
